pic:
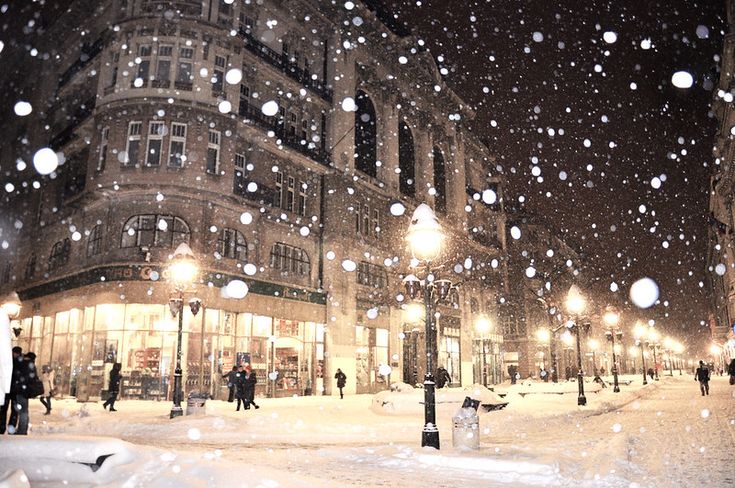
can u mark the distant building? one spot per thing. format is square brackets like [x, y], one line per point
[721, 251]
[273, 138]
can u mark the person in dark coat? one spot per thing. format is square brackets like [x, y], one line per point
[231, 383]
[250, 381]
[23, 368]
[731, 372]
[240, 394]
[702, 375]
[114, 387]
[442, 377]
[341, 381]
[9, 397]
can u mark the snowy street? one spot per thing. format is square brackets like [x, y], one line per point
[665, 434]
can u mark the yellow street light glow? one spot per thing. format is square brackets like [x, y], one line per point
[611, 318]
[425, 234]
[575, 302]
[543, 335]
[183, 269]
[593, 344]
[483, 325]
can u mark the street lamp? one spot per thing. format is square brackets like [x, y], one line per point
[11, 306]
[611, 319]
[639, 332]
[653, 343]
[576, 303]
[425, 237]
[182, 271]
[482, 326]
[632, 352]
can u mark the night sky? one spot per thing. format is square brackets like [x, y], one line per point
[528, 67]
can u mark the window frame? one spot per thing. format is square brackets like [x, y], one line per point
[104, 145]
[153, 137]
[133, 138]
[176, 138]
[214, 146]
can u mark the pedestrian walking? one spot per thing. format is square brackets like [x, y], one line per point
[231, 383]
[10, 397]
[47, 377]
[702, 375]
[24, 371]
[240, 387]
[731, 372]
[651, 372]
[341, 381]
[442, 377]
[113, 387]
[250, 381]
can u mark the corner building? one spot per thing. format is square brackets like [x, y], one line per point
[274, 138]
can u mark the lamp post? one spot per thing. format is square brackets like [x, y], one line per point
[679, 349]
[668, 347]
[611, 319]
[482, 326]
[594, 345]
[639, 332]
[576, 303]
[544, 337]
[632, 352]
[182, 272]
[653, 344]
[425, 239]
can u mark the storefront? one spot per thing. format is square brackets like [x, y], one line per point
[82, 345]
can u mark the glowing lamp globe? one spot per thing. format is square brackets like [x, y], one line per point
[425, 234]
[183, 269]
[576, 303]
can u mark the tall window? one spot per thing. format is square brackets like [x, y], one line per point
[278, 198]
[231, 244]
[365, 135]
[244, 100]
[30, 270]
[144, 67]
[240, 183]
[218, 78]
[301, 208]
[154, 231]
[369, 274]
[177, 145]
[59, 254]
[440, 183]
[289, 259]
[104, 142]
[132, 148]
[367, 220]
[213, 149]
[163, 66]
[184, 69]
[155, 143]
[406, 161]
[114, 62]
[94, 241]
[290, 193]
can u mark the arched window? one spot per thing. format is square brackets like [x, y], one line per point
[151, 230]
[94, 241]
[369, 274]
[231, 244]
[59, 254]
[30, 271]
[406, 160]
[365, 135]
[440, 183]
[289, 259]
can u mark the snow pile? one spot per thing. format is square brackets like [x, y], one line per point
[406, 400]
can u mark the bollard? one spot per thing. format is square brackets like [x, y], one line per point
[466, 426]
[195, 403]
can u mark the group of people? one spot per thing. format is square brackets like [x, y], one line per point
[25, 384]
[241, 381]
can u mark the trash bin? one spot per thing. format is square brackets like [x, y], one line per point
[195, 403]
[466, 426]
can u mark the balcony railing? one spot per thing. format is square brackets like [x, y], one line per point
[318, 154]
[281, 62]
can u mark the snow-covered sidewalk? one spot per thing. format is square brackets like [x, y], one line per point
[664, 434]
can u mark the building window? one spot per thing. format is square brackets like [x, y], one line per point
[239, 185]
[301, 209]
[30, 270]
[375, 229]
[218, 78]
[155, 143]
[279, 190]
[163, 66]
[246, 23]
[440, 183]
[244, 100]
[231, 244]
[59, 254]
[104, 142]
[6, 273]
[113, 76]
[144, 67]
[365, 225]
[365, 136]
[132, 148]
[367, 220]
[406, 161]
[289, 259]
[213, 149]
[177, 145]
[290, 193]
[154, 231]
[184, 69]
[369, 274]
[94, 241]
